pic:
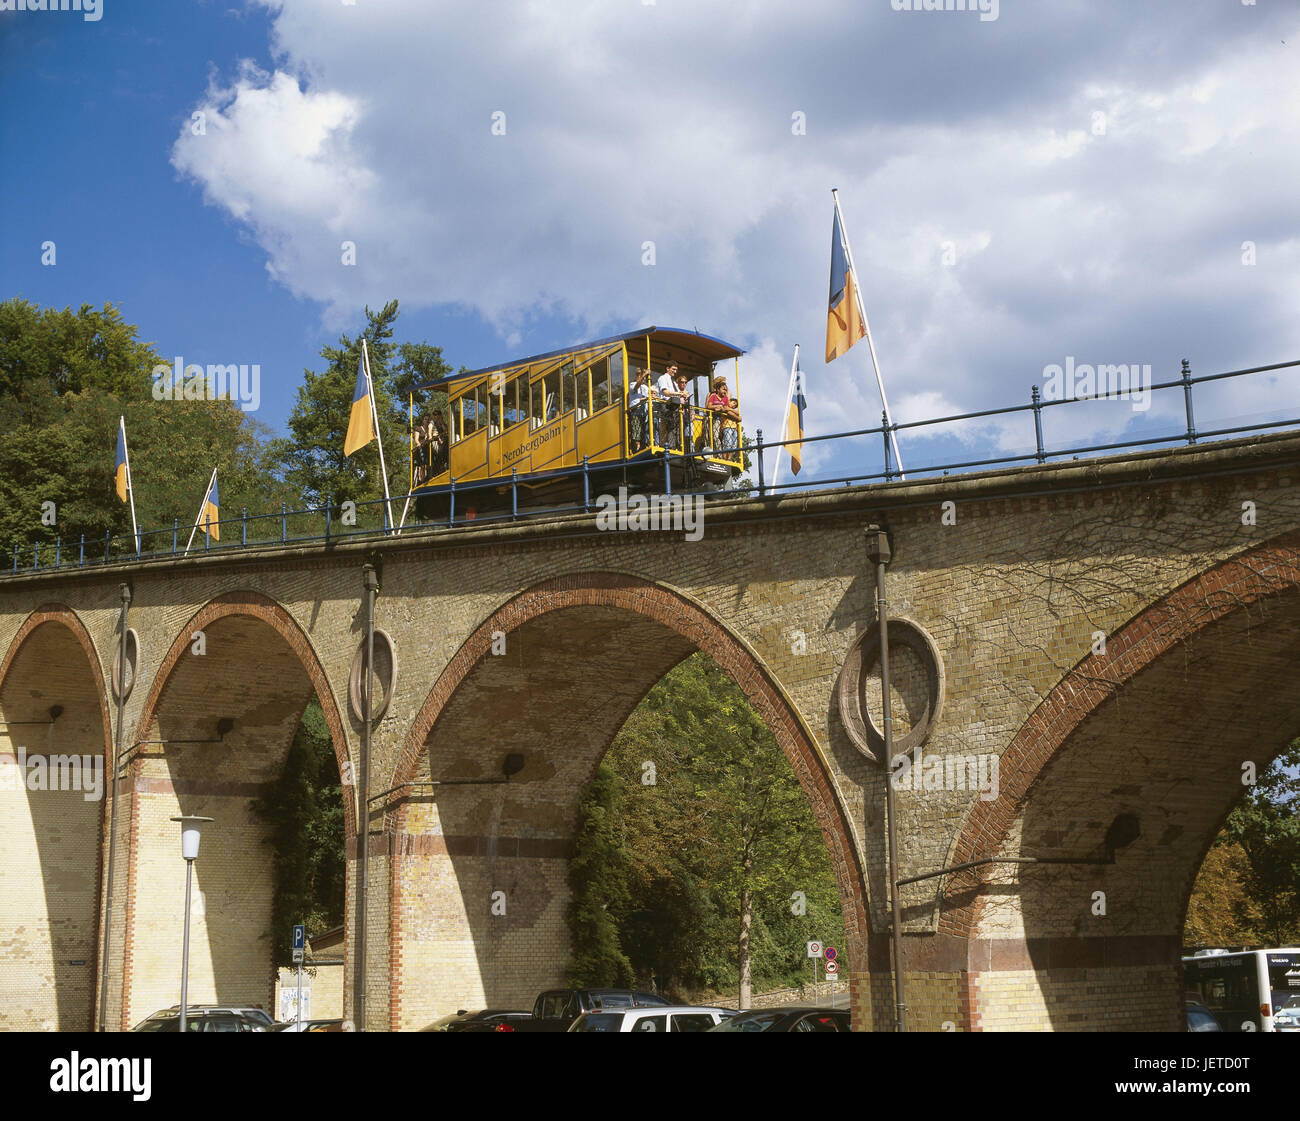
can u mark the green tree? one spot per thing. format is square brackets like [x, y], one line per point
[304, 814]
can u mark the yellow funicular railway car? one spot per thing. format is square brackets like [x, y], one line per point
[591, 416]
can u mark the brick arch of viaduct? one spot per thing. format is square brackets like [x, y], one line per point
[255, 605]
[1228, 587]
[58, 613]
[677, 612]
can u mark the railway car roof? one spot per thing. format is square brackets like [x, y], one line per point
[675, 338]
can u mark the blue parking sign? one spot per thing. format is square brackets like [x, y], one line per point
[299, 937]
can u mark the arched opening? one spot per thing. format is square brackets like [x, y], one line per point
[479, 864]
[54, 743]
[212, 740]
[1133, 762]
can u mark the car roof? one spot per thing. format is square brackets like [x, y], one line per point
[655, 1010]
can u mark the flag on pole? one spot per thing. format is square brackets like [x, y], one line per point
[120, 471]
[210, 513]
[361, 428]
[794, 416]
[844, 322]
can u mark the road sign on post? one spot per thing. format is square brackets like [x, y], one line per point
[832, 967]
[299, 945]
[814, 949]
[830, 953]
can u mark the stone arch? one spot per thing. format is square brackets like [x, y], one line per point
[1232, 586]
[668, 611]
[60, 907]
[180, 784]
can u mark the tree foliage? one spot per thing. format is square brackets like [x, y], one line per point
[694, 878]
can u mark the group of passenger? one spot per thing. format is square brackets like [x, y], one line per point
[671, 410]
[429, 444]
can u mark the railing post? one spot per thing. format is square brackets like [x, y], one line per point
[758, 445]
[329, 505]
[1187, 401]
[58, 550]
[451, 504]
[586, 485]
[1036, 399]
[176, 533]
[108, 543]
[284, 522]
[15, 559]
[243, 528]
[36, 555]
[668, 475]
[514, 494]
[884, 429]
[81, 556]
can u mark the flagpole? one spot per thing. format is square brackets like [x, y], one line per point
[374, 415]
[130, 490]
[202, 505]
[785, 423]
[862, 311]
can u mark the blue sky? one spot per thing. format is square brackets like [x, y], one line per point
[1068, 180]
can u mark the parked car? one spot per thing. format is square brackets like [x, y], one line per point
[485, 1019]
[556, 1009]
[787, 1019]
[670, 1018]
[1200, 1018]
[310, 1025]
[1286, 1013]
[208, 1018]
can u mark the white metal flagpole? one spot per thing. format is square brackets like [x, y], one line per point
[785, 422]
[862, 311]
[374, 415]
[130, 490]
[202, 506]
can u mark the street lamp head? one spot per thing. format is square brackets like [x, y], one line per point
[190, 826]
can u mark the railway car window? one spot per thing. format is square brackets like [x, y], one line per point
[568, 394]
[468, 415]
[583, 397]
[545, 399]
[600, 385]
[616, 376]
[515, 410]
[481, 398]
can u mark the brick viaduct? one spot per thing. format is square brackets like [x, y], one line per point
[1121, 633]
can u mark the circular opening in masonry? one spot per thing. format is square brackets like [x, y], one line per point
[916, 686]
[132, 657]
[383, 676]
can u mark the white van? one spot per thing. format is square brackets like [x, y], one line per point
[679, 1018]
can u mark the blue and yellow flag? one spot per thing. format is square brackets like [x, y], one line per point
[361, 428]
[794, 419]
[210, 515]
[844, 324]
[119, 472]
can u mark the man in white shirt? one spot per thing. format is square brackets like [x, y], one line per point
[673, 398]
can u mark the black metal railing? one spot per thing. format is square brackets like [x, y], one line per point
[329, 522]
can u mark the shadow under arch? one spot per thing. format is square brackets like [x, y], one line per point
[50, 882]
[1156, 730]
[264, 686]
[617, 629]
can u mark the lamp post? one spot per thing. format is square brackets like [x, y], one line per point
[190, 827]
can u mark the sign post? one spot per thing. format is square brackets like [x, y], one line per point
[832, 969]
[815, 952]
[299, 944]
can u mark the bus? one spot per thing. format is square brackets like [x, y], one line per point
[553, 426]
[1244, 989]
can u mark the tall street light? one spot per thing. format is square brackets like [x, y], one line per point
[190, 827]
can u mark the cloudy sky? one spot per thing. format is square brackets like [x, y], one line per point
[1097, 180]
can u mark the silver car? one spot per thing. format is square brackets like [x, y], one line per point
[674, 1018]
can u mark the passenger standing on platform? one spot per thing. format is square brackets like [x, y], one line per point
[638, 409]
[673, 398]
[725, 415]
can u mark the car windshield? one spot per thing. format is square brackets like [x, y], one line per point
[160, 1023]
[759, 1021]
